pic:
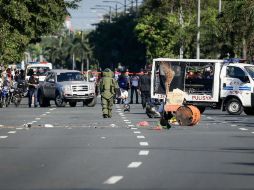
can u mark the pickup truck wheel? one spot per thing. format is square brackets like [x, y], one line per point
[59, 101]
[249, 111]
[44, 102]
[73, 104]
[90, 102]
[234, 107]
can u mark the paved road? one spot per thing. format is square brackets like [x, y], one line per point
[75, 148]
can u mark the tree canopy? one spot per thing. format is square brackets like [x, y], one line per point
[24, 22]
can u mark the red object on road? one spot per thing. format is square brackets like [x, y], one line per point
[143, 124]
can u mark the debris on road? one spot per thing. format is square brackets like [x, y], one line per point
[143, 124]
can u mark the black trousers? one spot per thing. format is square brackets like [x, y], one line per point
[145, 98]
[134, 89]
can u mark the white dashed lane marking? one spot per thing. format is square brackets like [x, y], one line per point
[134, 164]
[143, 152]
[137, 132]
[1, 125]
[37, 118]
[11, 132]
[48, 112]
[48, 126]
[113, 180]
[143, 143]
[233, 125]
[126, 120]
[252, 132]
[3, 137]
[19, 128]
[243, 129]
[140, 137]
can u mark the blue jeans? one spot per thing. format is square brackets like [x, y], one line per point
[32, 92]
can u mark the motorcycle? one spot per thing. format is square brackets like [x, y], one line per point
[17, 93]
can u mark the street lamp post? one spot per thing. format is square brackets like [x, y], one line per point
[110, 10]
[101, 8]
[117, 2]
[198, 34]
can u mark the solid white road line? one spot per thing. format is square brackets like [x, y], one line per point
[143, 143]
[137, 132]
[134, 164]
[11, 132]
[243, 129]
[143, 152]
[113, 180]
[3, 137]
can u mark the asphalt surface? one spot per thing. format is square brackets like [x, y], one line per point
[75, 148]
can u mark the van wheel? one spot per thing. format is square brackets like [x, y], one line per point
[73, 104]
[44, 102]
[234, 107]
[59, 101]
[249, 111]
[201, 109]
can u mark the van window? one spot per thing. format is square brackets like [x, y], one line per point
[39, 71]
[235, 72]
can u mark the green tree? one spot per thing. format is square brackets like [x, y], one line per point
[24, 22]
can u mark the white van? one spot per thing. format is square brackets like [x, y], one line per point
[39, 68]
[221, 84]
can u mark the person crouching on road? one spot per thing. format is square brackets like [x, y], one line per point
[108, 89]
[32, 89]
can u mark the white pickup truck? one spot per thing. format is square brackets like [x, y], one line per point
[221, 84]
[64, 86]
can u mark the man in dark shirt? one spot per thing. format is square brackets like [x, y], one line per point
[32, 89]
[144, 87]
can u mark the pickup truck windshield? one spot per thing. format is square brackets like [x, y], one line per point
[250, 70]
[71, 76]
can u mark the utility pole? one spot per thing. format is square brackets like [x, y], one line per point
[181, 23]
[219, 6]
[198, 34]
[125, 7]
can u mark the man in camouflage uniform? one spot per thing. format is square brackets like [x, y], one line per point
[108, 89]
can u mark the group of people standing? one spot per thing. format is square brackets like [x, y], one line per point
[138, 84]
[10, 76]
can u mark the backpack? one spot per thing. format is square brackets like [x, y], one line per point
[123, 82]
